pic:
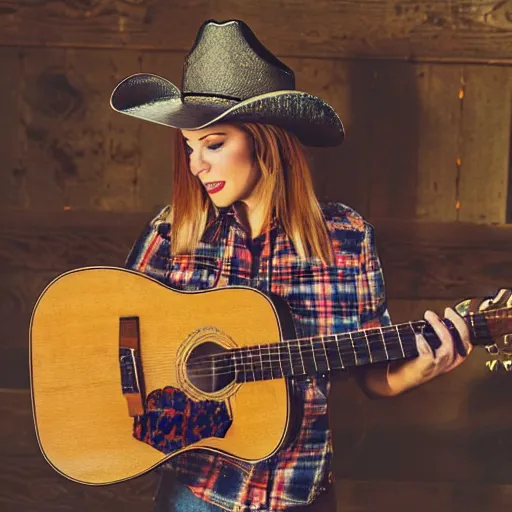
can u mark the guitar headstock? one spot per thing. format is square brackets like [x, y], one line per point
[502, 346]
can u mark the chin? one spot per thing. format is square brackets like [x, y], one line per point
[220, 203]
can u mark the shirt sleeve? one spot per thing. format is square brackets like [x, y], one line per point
[371, 290]
[148, 251]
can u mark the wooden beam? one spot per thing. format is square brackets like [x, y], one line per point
[412, 30]
[405, 127]
[421, 260]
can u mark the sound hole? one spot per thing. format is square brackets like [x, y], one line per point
[207, 373]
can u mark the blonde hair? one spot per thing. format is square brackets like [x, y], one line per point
[286, 189]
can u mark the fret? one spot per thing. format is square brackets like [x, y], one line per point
[266, 362]
[400, 340]
[368, 345]
[251, 365]
[301, 358]
[322, 359]
[353, 349]
[347, 350]
[325, 352]
[235, 364]
[333, 352]
[377, 342]
[297, 363]
[313, 353]
[240, 365]
[277, 349]
[385, 345]
[285, 358]
[308, 352]
[261, 363]
[360, 348]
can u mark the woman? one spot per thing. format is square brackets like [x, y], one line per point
[244, 213]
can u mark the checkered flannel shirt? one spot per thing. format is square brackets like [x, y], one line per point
[324, 299]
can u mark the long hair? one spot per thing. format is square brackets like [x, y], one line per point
[285, 187]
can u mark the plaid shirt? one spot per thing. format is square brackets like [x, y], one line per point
[324, 299]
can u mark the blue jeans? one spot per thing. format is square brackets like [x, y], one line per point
[173, 496]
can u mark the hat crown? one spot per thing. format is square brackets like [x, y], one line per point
[228, 61]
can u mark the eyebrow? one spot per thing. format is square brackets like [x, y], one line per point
[207, 135]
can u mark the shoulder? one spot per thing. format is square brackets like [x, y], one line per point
[342, 220]
[154, 240]
[161, 219]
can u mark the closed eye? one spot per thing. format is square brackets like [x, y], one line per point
[211, 147]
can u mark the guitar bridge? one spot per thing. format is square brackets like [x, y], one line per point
[132, 383]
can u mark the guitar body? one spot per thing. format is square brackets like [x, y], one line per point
[81, 415]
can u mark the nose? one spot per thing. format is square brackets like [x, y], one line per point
[197, 163]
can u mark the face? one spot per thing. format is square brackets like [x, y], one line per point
[221, 158]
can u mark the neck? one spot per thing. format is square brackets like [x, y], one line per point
[252, 216]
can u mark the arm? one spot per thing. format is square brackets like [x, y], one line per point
[396, 378]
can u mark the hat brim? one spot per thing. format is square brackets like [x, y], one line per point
[155, 99]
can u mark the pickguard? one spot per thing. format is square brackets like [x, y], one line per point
[173, 421]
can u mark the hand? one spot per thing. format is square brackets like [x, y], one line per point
[430, 363]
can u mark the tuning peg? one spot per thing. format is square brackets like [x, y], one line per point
[492, 349]
[507, 365]
[501, 299]
[494, 365]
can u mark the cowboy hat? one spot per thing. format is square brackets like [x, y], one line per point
[229, 76]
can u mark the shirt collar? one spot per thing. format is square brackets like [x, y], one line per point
[219, 219]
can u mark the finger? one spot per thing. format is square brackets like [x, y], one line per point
[423, 346]
[445, 354]
[462, 328]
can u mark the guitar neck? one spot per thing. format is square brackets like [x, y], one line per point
[323, 354]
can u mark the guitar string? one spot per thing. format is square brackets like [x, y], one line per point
[233, 365]
[274, 352]
[373, 335]
[307, 353]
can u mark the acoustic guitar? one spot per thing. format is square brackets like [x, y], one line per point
[127, 372]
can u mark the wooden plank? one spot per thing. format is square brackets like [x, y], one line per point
[78, 153]
[466, 399]
[452, 261]
[17, 432]
[390, 496]
[484, 169]
[439, 115]
[13, 176]
[421, 260]
[371, 28]
[402, 120]
[29, 484]
[14, 363]
[394, 125]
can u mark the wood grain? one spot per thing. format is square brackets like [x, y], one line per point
[404, 122]
[484, 170]
[30, 484]
[422, 260]
[412, 29]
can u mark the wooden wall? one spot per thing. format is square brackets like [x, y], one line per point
[424, 90]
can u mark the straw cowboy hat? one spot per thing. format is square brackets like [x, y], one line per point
[229, 76]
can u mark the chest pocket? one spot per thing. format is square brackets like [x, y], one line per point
[192, 272]
[323, 297]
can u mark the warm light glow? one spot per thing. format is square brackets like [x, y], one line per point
[461, 94]
[67, 208]
[458, 162]
[457, 205]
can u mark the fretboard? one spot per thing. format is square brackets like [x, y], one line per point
[324, 354]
